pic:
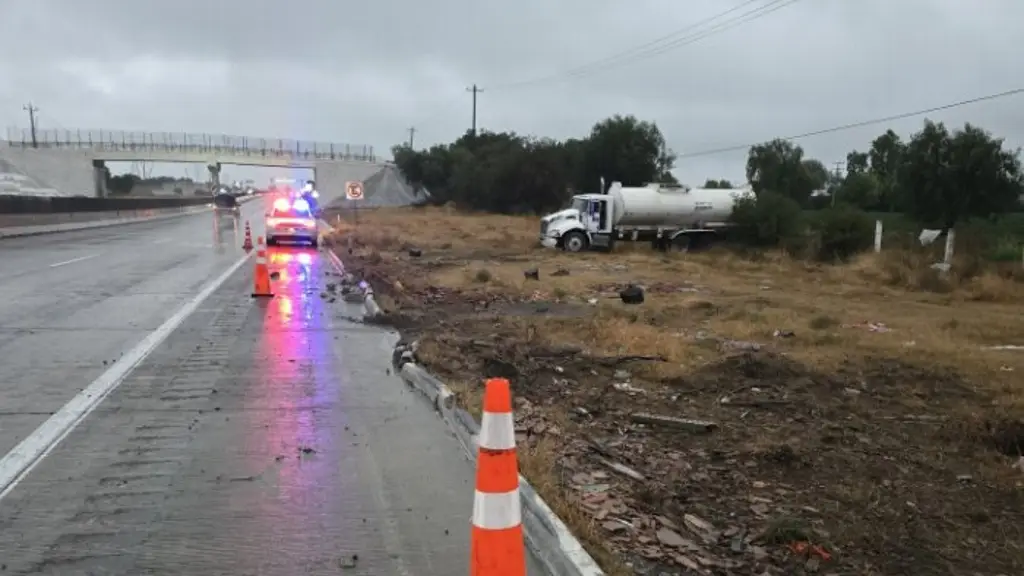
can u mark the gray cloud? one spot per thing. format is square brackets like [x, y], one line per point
[364, 72]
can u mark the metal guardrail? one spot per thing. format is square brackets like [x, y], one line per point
[119, 140]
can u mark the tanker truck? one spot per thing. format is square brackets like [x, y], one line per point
[666, 216]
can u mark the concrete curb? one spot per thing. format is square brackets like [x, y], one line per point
[55, 228]
[546, 535]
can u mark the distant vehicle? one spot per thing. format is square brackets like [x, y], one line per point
[667, 216]
[226, 205]
[291, 220]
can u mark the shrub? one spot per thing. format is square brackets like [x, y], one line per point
[770, 220]
[842, 232]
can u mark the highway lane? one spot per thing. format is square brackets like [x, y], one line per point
[263, 437]
[74, 302]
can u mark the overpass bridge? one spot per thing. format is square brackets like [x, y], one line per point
[77, 158]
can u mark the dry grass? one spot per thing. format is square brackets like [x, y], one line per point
[698, 306]
[942, 320]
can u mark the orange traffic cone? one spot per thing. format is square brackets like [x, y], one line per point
[497, 547]
[261, 276]
[247, 243]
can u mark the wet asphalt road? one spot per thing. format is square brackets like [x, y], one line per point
[264, 437]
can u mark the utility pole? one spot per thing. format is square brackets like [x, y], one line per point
[835, 184]
[412, 136]
[475, 91]
[32, 122]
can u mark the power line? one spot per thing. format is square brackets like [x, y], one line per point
[634, 50]
[757, 13]
[863, 123]
[663, 44]
[654, 47]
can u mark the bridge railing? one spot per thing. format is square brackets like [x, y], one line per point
[119, 140]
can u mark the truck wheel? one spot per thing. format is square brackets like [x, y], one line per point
[574, 242]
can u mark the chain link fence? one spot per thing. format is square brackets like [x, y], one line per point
[119, 140]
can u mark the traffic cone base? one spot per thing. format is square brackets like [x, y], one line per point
[497, 547]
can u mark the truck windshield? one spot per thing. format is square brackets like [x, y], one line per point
[579, 204]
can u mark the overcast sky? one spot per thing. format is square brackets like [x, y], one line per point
[364, 72]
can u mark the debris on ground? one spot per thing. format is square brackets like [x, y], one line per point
[707, 414]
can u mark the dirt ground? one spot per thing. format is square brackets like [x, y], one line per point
[754, 415]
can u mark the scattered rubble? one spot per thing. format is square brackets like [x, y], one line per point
[740, 458]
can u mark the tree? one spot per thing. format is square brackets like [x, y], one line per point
[818, 174]
[505, 172]
[858, 189]
[947, 178]
[768, 220]
[886, 156]
[719, 184]
[626, 150]
[856, 162]
[121, 184]
[778, 166]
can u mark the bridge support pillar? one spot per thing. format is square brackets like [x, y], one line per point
[99, 178]
[214, 174]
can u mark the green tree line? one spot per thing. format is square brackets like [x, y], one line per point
[937, 178]
[509, 173]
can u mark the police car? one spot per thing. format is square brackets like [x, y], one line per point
[291, 220]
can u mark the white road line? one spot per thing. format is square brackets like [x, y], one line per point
[73, 260]
[29, 452]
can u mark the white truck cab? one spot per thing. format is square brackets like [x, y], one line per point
[574, 228]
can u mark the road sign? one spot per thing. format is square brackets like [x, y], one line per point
[354, 190]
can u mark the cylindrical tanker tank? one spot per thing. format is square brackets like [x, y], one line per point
[672, 207]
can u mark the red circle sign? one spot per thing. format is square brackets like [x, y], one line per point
[354, 190]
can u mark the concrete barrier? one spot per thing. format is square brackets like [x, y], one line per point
[74, 204]
[101, 220]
